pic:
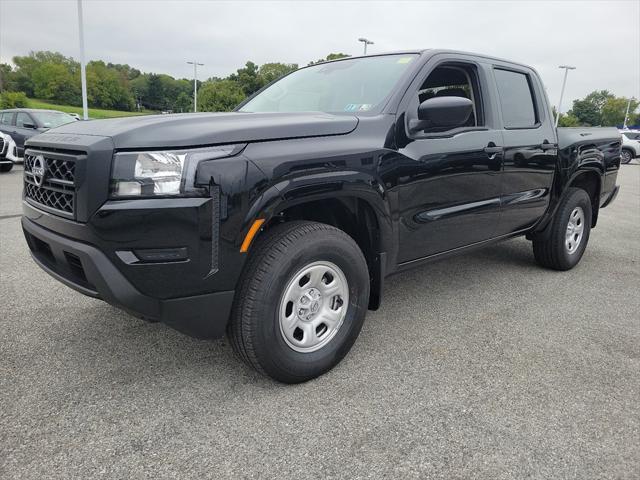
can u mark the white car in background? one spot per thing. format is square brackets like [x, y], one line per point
[630, 145]
[8, 153]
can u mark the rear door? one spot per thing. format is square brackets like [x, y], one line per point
[446, 183]
[530, 153]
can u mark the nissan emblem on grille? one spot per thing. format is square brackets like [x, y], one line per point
[49, 181]
[38, 170]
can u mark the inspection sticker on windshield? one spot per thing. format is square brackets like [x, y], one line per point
[357, 107]
[404, 59]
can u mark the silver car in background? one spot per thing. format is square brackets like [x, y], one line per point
[630, 145]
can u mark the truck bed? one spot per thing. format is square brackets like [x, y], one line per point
[595, 148]
[568, 136]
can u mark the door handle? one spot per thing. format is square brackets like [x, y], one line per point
[493, 149]
[547, 146]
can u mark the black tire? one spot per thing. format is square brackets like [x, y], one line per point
[6, 167]
[280, 252]
[552, 251]
[626, 155]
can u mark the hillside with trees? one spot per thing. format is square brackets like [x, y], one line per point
[55, 79]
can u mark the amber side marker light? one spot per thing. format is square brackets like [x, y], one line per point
[250, 234]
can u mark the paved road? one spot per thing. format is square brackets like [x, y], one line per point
[483, 366]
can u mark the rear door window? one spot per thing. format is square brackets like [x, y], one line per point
[5, 118]
[516, 99]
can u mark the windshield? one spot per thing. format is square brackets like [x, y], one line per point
[356, 85]
[53, 119]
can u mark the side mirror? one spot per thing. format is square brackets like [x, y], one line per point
[442, 113]
[28, 125]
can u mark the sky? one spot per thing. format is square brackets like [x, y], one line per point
[600, 38]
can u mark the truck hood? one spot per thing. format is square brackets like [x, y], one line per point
[197, 129]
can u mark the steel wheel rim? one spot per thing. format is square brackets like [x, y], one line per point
[575, 230]
[313, 306]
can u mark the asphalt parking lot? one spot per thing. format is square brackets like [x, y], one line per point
[482, 366]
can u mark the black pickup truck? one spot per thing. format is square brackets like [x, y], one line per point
[278, 223]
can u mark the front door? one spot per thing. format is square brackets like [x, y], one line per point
[20, 132]
[446, 184]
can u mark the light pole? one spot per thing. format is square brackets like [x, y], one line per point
[195, 84]
[366, 42]
[564, 83]
[626, 116]
[83, 71]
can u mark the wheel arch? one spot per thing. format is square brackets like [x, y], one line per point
[356, 206]
[589, 180]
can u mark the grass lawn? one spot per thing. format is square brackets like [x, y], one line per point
[93, 112]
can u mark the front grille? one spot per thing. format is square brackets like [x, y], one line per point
[2, 146]
[55, 190]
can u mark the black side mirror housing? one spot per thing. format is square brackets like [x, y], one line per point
[28, 125]
[442, 113]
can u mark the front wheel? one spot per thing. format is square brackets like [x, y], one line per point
[569, 231]
[626, 156]
[301, 301]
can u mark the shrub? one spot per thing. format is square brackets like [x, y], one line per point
[13, 100]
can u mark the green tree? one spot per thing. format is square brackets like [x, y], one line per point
[155, 95]
[331, 56]
[184, 103]
[219, 96]
[13, 100]
[614, 110]
[7, 78]
[589, 110]
[108, 88]
[27, 70]
[125, 70]
[247, 78]
[23, 78]
[269, 72]
[139, 88]
[54, 81]
[568, 120]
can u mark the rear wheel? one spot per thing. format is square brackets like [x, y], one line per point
[301, 301]
[626, 155]
[6, 167]
[567, 239]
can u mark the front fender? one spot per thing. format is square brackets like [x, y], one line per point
[308, 187]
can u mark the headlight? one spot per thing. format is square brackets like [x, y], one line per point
[170, 172]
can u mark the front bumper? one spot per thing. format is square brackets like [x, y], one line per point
[86, 269]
